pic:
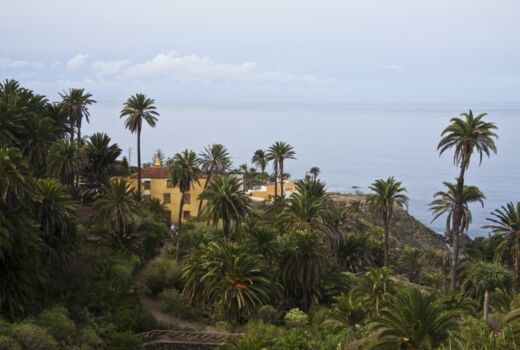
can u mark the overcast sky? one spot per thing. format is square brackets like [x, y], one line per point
[267, 51]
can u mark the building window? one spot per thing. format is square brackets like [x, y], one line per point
[169, 214]
[186, 215]
[166, 198]
[187, 198]
[169, 184]
[146, 197]
[147, 185]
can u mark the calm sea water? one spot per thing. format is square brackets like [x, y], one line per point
[352, 144]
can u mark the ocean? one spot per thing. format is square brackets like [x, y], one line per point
[352, 144]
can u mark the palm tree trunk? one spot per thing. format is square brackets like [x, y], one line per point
[386, 229]
[79, 129]
[457, 217]
[179, 223]
[516, 262]
[139, 162]
[486, 305]
[275, 178]
[208, 179]
[225, 224]
[281, 178]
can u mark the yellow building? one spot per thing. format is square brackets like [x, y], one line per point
[266, 192]
[156, 183]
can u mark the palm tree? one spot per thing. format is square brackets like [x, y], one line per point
[184, 173]
[260, 160]
[75, 103]
[20, 245]
[486, 277]
[444, 203]
[136, 109]
[226, 202]
[215, 160]
[506, 227]
[411, 260]
[64, 162]
[374, 286]
[224, 274]
[100, 156]
[55, 211]
[302, 268]
[466, 135]
[387, 195]
[306, 204]
[115, 210]
[314, 171]
[278, 152]
[412, 320]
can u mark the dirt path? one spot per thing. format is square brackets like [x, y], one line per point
[173, 323]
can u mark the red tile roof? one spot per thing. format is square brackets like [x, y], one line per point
[154, 172]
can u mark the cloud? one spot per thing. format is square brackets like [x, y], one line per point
[7, 63]
[76, 62]
[392, 67]
[171, 66]
[106, 68]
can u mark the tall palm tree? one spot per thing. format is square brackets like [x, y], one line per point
[136, 109]
[260, 160]
[278, 153]
[387, 194]
[412, 320]
[505, 225]
[444, 203]
[302, 268]
[99, 159]
[55, 211]
[75, 103]
[215, 160]
[486, 277]
[226, 202]
[116, 209]
[314, 171]
[465, 135]
[64, 162]
[184, 172]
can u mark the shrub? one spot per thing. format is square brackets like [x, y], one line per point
[125, 341]
[89, 339]
[8, 343]
[296, 318]
[57, 322]
[267, 314]
[176, 304]
[33, 337]
[163, 272]
[135, 319]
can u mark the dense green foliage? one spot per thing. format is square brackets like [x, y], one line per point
[82, 258]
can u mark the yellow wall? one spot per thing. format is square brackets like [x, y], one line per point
[269, 194]
[158, 187]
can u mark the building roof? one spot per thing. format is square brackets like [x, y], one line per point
[155, 172]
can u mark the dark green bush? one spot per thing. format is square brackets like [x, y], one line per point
[8, 343]
[267, 314]
[57, 322]
[177, 304]
[162, 273]
[125, 341]
[33, 337]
